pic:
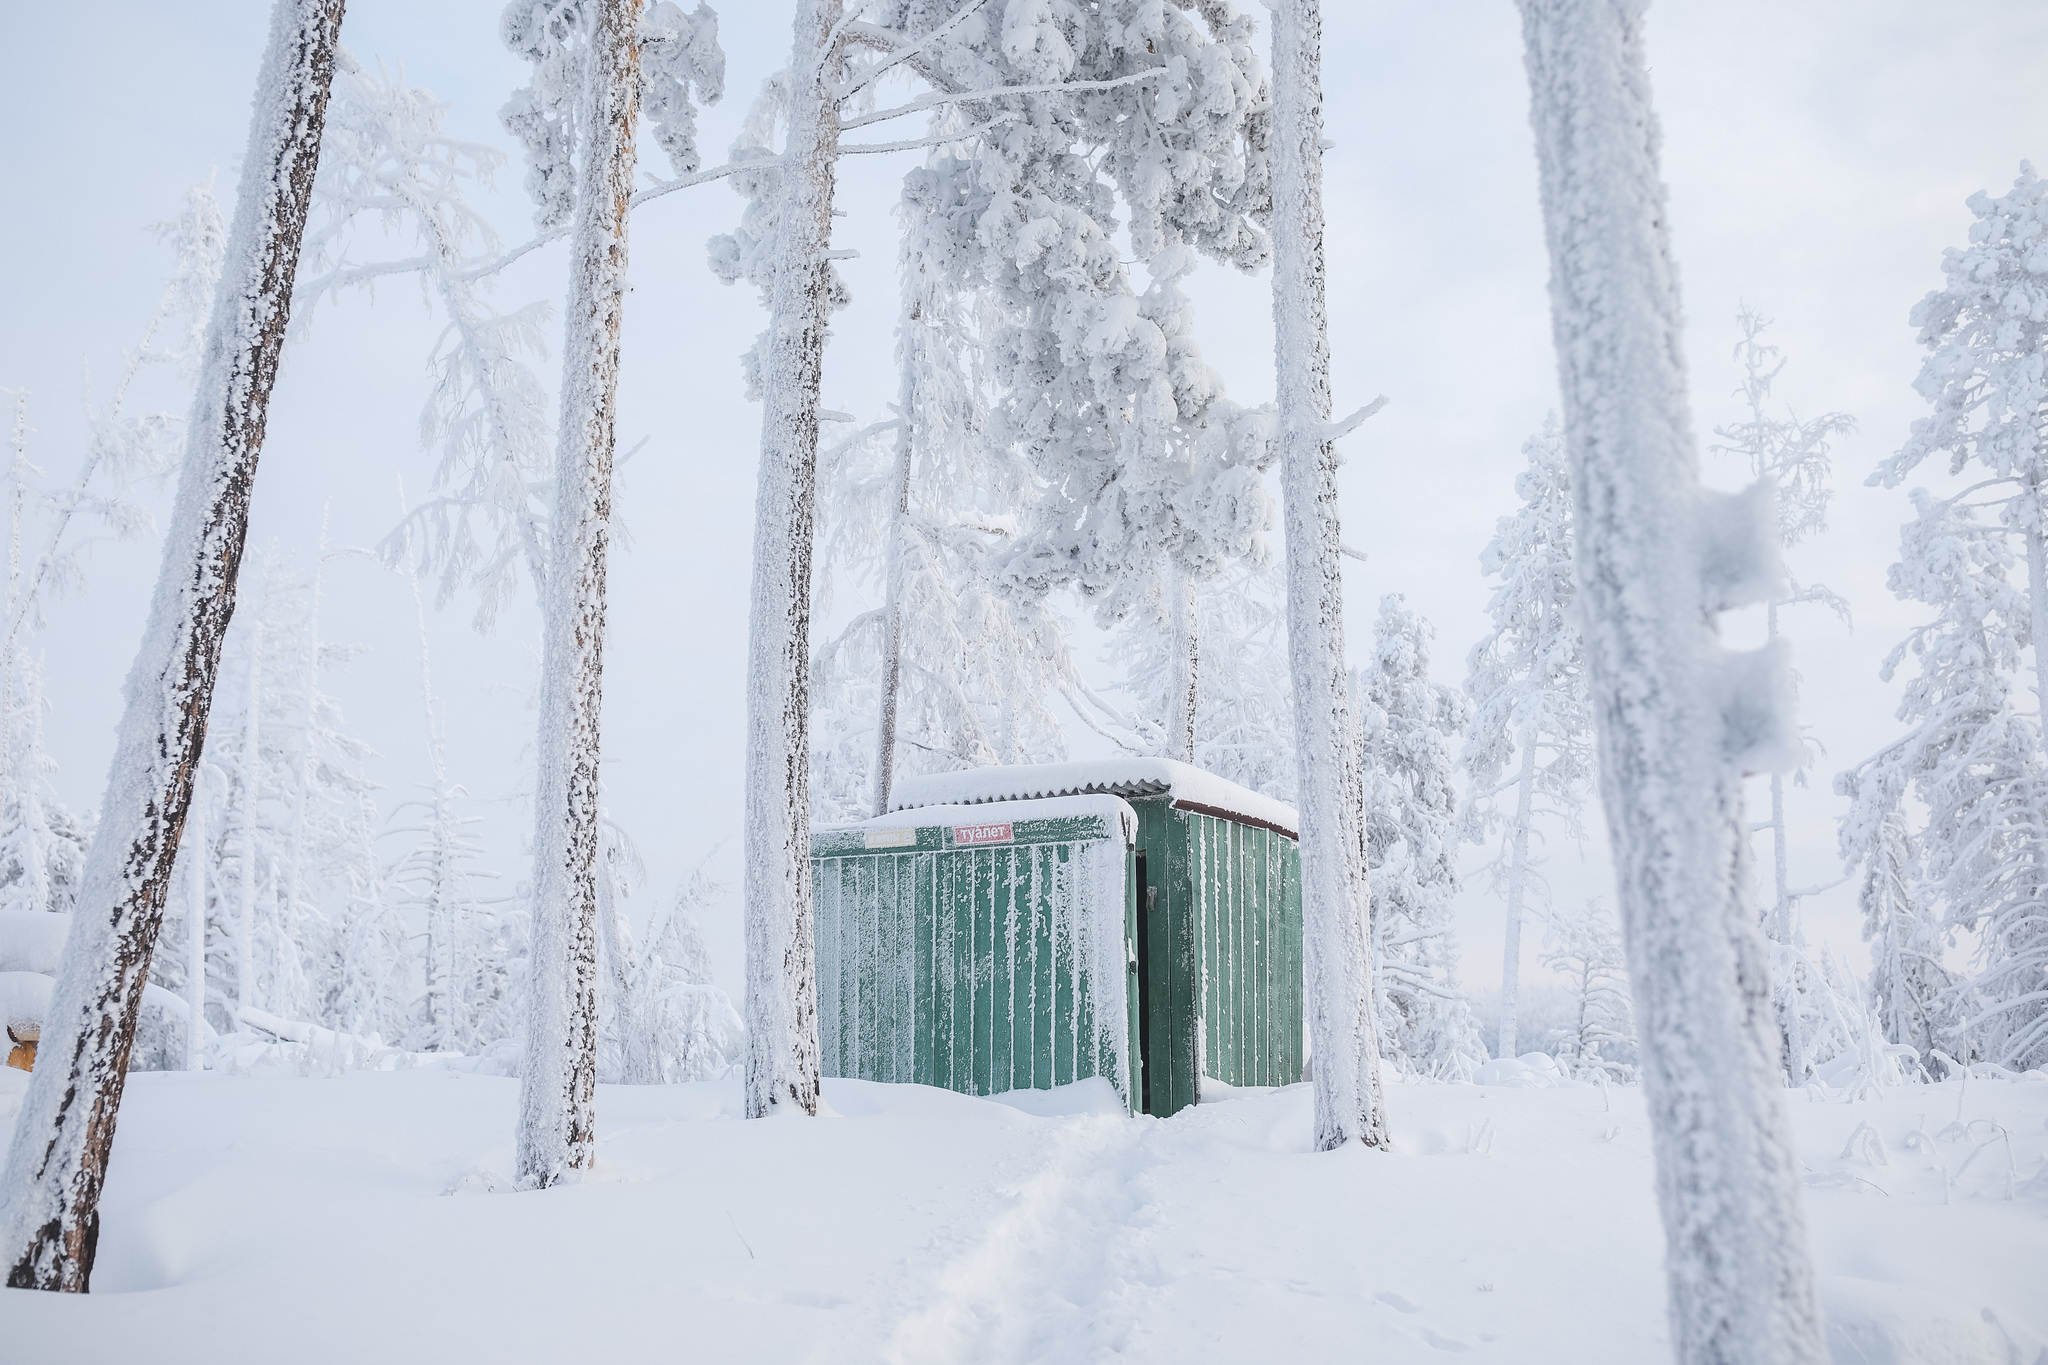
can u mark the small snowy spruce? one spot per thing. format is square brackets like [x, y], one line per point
[1584, 947]
[1409, 725]
[1531, 732]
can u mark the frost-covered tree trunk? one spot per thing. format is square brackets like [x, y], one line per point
[558, 1074]
[782, 968]
[1185, 642]
[1676, 716]
[1335, 916]
[49, 1228]
[1518, 883]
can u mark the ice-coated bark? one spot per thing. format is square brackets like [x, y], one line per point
[1334, 912]
[57, 1162]
[558, 1071]
[782, 969]
[1677, 718]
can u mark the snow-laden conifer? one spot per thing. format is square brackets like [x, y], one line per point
[1584, 947]
[1914, 994]
[288, 819]
[1335, 909]
[1678, 718]
[463, 997]
[1408, 726]
[1531, 733]
[57, 1160]
[1979, 558]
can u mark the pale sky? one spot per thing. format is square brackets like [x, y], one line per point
[1818, 155]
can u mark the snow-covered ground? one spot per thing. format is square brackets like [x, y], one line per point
[273, 1218]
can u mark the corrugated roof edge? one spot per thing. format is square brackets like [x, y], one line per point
[1190, 787]
[965, 812]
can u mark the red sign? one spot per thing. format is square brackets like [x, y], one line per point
[981, 834]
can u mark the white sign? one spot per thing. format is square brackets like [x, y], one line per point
[892, 838]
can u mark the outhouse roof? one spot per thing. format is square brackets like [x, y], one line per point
[1114, 810]
[1190, 788]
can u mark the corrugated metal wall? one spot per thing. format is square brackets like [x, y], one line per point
[964, 968]
[1224, 942]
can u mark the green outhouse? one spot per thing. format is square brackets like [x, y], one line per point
[1028, 926]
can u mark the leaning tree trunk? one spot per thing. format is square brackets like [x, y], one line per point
[558, 1074]
[782, 966]
[49, 1227]
[1675, 713]
[1334, 895]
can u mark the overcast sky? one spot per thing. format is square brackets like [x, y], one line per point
[1818, 155]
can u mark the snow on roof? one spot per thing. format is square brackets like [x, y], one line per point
[1189, 787]
[1056, 808]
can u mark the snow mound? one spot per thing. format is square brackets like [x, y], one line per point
[24, 999]
[1095, 1095]
[1190, 788]
[1874, 1322]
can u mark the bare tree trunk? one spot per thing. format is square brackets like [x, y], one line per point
[1186, 646]
[892, 622]
[1652, 570]
[1335, 927]
[1518, 883]
[558, 1074]
[782, 966]
[57, 1161]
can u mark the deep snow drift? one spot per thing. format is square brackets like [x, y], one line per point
[271, 1217]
